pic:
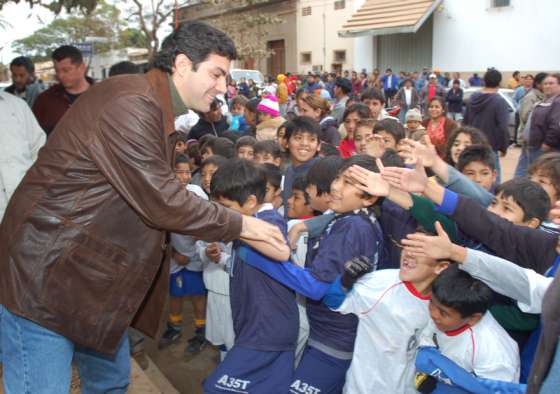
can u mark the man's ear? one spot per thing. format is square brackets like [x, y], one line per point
[182, 64]
[494, 176]
[277, 162]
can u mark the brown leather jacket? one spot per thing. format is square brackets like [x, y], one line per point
[83, 237]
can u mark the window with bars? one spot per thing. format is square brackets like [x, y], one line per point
[500, 3]
[339, 4]
[306, 11]
[339, 56]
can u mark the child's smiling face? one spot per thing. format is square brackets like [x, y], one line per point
[346, 197]
[303, 146]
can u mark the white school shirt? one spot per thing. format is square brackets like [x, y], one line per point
[521, 284]
[185, 244]
[392, 316]
[485, 349]
[299, 253]
[215, 276]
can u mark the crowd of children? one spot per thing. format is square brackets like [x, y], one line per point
[391, 237]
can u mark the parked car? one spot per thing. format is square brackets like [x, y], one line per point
[255, 75]
[507, 95]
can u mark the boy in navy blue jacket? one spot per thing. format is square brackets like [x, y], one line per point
[354, 231]
[265, 314]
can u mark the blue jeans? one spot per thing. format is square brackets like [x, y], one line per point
[38, 361]
[528, 155]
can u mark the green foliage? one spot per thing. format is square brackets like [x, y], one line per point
[57, 5]
[104, 22]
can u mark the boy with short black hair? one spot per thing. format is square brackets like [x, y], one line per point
[392, 308]
[353, 232]
[273, 186]
[220, 146]
[478, 163]
[181, 142]
[319, 179]
[265, 314]
[522, 202]
[245, 147]
[375, 101]
[207, 169]
[303, 136]
[298, 204]
[268, 151]
[462, 328]
[186, 276]
[391, 131]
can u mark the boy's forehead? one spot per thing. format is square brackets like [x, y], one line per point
[478, 164]
[303, 133]
[209, 167]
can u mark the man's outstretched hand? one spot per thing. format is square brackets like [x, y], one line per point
[354, 269]
[264, 237]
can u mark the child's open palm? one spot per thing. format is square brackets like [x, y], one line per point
[369, 181]
[408, 180]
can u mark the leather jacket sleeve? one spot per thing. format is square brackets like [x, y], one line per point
[129, 148]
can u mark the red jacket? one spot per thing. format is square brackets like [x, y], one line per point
[51, 105]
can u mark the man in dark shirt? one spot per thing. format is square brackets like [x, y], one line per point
[212, 122]
[70, 71]
[489, 112]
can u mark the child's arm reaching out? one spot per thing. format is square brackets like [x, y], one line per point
[504, 277]
[530, 248]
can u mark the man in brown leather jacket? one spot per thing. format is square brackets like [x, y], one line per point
[83, 237]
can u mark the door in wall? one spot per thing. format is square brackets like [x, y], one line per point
[276, 63]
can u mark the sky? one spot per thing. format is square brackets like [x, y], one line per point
[24, 21]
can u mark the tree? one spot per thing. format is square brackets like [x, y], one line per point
[103, 22]
[57, 5]
[248, 30]
[150, 18]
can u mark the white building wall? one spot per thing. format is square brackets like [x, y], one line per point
[318, 33]
[363, 47]
[471, 36]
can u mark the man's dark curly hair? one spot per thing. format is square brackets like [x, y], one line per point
[196, 40]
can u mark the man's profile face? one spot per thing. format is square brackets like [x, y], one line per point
[199, 87]
[20, 76]
[70, 75]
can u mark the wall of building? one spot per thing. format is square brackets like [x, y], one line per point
[318, 34]
[283, 31]
[471, 36]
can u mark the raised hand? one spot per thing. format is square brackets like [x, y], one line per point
[369, 181]
[412, 151]
[354, 269]
[412, 181]
[375, 146]
[433, 247]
